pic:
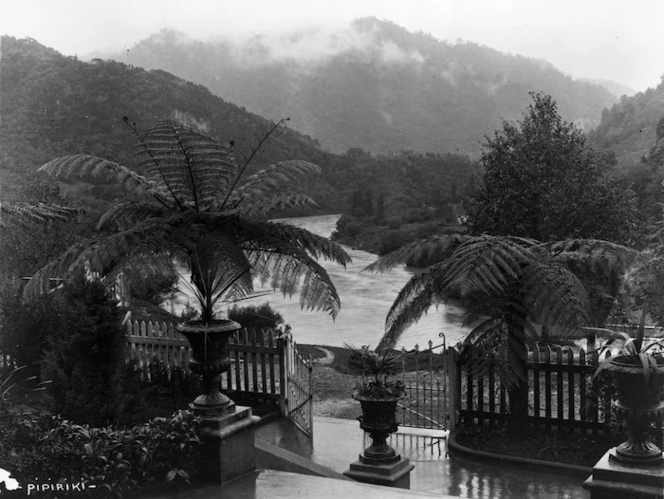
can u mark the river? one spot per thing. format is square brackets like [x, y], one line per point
[365, 300]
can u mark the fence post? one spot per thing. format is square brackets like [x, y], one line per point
[282, 342]
[453, 371]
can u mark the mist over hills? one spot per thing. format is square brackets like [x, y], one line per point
[374, 85]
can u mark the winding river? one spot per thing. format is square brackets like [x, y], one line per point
[365, 301]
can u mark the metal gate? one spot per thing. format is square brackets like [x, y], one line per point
[430, 380]
[297, 381]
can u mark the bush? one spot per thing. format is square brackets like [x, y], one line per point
[256, 317]
[90, 382]
[115, 460]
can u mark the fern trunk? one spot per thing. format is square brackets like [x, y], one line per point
[518, 392]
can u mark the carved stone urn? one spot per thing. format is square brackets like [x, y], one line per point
[639, 405]
[209, 343]
[378, 419]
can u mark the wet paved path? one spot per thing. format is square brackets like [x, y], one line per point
[338, 442]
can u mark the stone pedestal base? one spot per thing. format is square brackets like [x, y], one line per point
[612, 480]
[228, 442]
[395, 474]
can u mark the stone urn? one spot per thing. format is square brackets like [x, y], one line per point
[209, 344]
[639, 405]
[378, 419]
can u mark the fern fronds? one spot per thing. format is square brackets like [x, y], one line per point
[195, 168]
[92, 168]
[39, 212]
[436, 248]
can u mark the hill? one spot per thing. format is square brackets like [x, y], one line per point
[54, 105]
[374, 85]
[628, 127]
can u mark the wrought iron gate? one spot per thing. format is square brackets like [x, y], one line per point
[430, 381]
[297, 382]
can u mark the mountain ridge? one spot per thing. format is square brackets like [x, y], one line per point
[377, 85]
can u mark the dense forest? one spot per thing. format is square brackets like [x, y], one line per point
[375, 85]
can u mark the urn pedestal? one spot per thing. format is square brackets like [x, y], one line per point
[379, 464]
[228, 430]
[635, 468]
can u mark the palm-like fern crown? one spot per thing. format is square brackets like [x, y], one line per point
[196, 212]
[510, 287]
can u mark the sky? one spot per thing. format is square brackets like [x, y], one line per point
[610, 39]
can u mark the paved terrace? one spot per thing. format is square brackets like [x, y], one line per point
[338, 442]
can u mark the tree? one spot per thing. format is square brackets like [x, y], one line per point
[85, 362]
[190, 211]
[540, 181]
[511, 288]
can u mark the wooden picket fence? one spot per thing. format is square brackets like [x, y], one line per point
[265, 366]
[562, 394]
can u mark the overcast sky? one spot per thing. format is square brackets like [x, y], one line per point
[618, 40]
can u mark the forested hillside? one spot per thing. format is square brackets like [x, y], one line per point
[375, 85]
[628, 128]
[54, 105]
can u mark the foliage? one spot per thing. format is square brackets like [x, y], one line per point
[37, 227]
[116, 460]
[622, 128]
[90, 382]
[190, 211]
[512, 288]
[376, 369]
[257, 317]
[540, 181]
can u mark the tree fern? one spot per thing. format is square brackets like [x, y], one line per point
[194, 211]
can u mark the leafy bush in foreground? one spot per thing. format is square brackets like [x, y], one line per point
[115, 460]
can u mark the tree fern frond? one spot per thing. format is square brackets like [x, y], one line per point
[92, 168]
[196, 169]
[39, 212]
[271, 181]
[555, 296]
[279, 233]
[415, 299]
[486, 264]
[124, 215]
[277, 202]
[100, 255]
[290, 269]
[219, 270]
[435, 249]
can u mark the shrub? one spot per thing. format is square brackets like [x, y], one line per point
[115, 460]
[256, 317]
[90, 382]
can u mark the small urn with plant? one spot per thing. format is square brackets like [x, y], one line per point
[638, 371]
[378, 394]
[638, 367]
